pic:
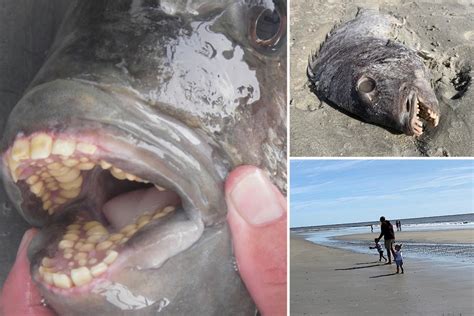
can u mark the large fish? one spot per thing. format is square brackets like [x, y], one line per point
[119, 148]
[362, 69]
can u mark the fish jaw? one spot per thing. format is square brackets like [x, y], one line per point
[61, 171]
[423, 109]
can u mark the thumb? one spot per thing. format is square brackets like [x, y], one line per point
[257, 218]
[20, 295]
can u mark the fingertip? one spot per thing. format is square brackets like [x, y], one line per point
[252, 195]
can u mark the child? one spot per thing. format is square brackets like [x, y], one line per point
[380, 250]
[398, 257]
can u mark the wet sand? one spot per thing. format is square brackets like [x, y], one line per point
[443, 29]
[460, 236]
[327, 281]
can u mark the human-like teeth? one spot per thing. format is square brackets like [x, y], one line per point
[74, 184]
[116, 237]
[80, 255]
[32, 179]
[41, 146]
[130, 227]
[159, 188]
[81, 276]
[94, 238]
[86, 166]
[20, 150]
[90, 224]
[47, 262]
[52, 167]
[37, 188]
[61, 280]
[47, 204]
[48, 277]
[98, 269]
[70, 162]
[71, 236]
[63, 147]
[70, 194]
[111, 256]
[168, 209]
[118, 173]
[104, 245]
[97, 230]
[105, 165]
[71, 175]
[13, 166]
[63, 244]
[58, 172]
[85, 148]
[87, 247]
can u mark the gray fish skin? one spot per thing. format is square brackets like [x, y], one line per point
[187, 92]
[364, 71]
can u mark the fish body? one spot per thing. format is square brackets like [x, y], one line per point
[121, 144]
[363, 70]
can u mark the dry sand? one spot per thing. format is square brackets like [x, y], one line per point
[443, 28]
[326, 281]
[464, 236]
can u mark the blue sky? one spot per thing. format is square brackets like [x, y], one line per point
[347, 191]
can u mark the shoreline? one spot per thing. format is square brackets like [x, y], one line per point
[333, 281]
[453, 236]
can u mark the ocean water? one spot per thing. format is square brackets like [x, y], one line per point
[464, 253]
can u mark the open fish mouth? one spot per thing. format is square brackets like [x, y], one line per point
[421, 115]
[104, 205]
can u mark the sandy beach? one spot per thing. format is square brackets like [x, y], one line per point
[443, 29]
[327, 281]
[465, 236]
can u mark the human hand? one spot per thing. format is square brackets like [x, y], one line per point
[257, 216]
[20, 295]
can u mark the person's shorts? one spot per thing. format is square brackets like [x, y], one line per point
[389, 243]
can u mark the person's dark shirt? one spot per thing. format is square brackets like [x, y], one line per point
[386, 230]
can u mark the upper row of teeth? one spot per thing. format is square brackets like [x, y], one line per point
[52, 168]
[418, 124]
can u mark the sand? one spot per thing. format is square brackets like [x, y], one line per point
[464, 236]
[443, 28]
[326, 281]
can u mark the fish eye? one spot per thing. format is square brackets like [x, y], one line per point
[366, 85]
[267, 28]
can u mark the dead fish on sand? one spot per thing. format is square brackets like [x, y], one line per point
[363, 70]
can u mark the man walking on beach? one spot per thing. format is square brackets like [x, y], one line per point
[386, 230]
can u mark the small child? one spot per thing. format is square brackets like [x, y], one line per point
[379, 249]
[398, 257]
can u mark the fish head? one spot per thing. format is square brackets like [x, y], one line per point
[120, 146]
[398, 96]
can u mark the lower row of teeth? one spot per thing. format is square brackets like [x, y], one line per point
[53, 167]
[87, 249]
